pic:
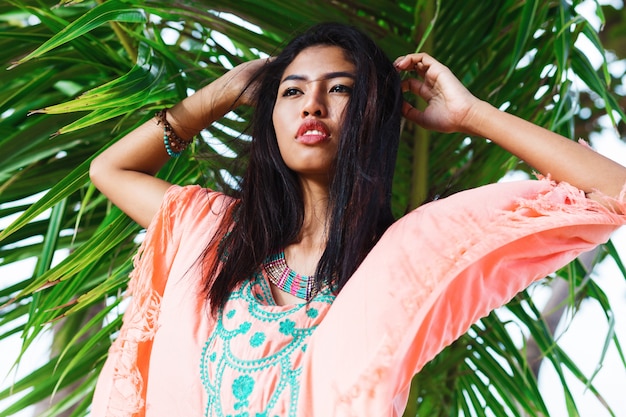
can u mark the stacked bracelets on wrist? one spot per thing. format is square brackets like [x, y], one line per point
[174, 145]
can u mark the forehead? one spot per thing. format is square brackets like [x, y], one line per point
[320, 59]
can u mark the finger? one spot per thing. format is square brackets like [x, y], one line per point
[412, 114]
[417, 87]
[410, 62]
[397, 61]
[406, 62]
[410, 84]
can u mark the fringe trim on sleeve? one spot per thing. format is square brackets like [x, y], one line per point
[124, 378]
[139, 327]
[423, 299]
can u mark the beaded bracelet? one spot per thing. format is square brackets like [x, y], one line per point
[174, 144]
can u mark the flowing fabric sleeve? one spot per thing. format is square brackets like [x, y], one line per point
[431, 276]
[122, 383]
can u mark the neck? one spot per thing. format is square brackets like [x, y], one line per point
[304, 254]
[315, 225]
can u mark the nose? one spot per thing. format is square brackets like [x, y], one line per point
[314, 103]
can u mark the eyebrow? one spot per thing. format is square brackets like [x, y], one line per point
[327, 76]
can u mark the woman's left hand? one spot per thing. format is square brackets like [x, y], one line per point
[451, 107]
[449, 104]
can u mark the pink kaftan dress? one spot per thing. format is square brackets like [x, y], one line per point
[432, 275]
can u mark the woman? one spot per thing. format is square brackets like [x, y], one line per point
[287, 299]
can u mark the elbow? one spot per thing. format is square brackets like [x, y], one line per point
[99, 171]
[94, 171]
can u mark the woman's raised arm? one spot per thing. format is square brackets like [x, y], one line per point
[451, 107]
[125, 171]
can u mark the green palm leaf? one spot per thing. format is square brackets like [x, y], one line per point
[112, 10]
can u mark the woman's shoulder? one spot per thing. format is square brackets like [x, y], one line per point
[193, 192]
[187, 198]
[190, 206]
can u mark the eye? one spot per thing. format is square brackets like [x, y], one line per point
[340, 88]
[291, 91]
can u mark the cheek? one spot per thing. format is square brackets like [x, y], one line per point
[340, 110]
[276, 116]
[279, 129]
[280, 122]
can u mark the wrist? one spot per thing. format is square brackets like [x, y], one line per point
[475, 121]
[185, 120]
[210, 103]
[199, 110]
[174, 144]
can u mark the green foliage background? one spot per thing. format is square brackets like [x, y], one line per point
[81, 74]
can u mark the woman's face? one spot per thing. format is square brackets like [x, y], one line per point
[312, 96]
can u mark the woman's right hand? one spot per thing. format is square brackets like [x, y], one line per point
[242, 78]
[231, 90]
[125, 171]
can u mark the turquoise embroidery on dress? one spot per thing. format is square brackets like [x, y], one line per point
[257, 339]
[244, 327]
[312, 312]
[286, 327]
[242, 388]
[233, 368]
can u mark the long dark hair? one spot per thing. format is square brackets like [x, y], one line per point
[268, 213]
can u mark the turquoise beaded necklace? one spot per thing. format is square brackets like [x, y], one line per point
[285, 278]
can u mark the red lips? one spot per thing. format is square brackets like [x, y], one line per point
[312, 132]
